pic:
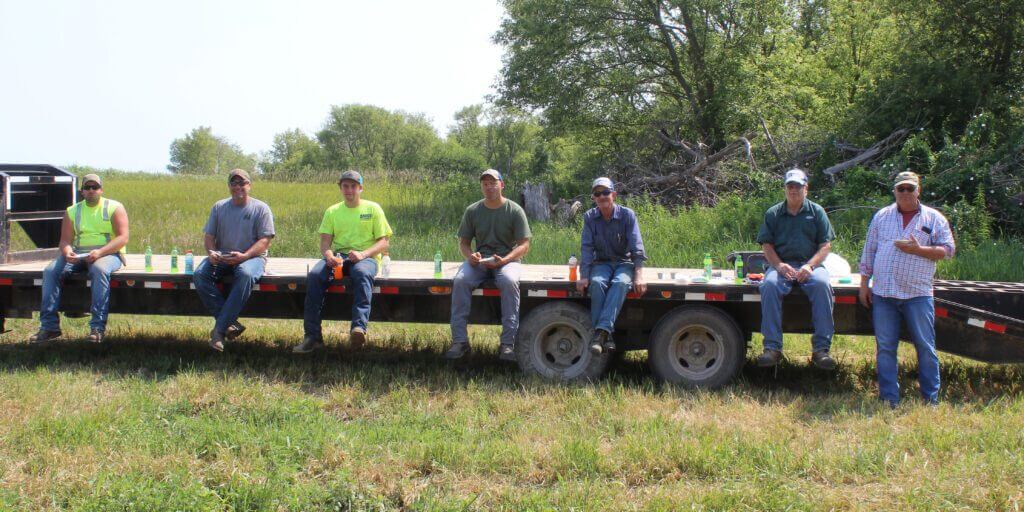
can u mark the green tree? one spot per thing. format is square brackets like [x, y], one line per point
[370, 137]
[202, 152]
[293, 151]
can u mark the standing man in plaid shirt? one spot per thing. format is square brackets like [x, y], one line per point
[904, 241]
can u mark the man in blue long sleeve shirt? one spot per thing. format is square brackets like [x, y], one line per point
[611, 261]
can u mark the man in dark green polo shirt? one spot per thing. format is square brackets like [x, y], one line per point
[796, 236]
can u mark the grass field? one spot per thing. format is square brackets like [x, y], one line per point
[153, 420]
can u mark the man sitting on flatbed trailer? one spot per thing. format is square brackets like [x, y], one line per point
[611, 261]
[237, 236]
[502, 235]
[796, 236]
[92, 239]
[353, 234]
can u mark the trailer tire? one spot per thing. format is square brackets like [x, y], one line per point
[553, 342]
[697, 347]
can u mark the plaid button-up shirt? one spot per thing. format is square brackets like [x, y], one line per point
[897, 274]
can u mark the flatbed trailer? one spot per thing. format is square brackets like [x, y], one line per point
[696, 334]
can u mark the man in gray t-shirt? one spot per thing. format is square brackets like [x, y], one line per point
[237, 236]
[502, 236]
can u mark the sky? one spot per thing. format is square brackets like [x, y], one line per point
[112, 83]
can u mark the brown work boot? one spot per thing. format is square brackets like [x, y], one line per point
[96, 336]
[357, 337]
[234, 330]
[769, 358]
[822, 360]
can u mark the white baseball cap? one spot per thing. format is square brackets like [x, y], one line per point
[796, 176]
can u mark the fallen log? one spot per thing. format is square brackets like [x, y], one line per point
[877, 151]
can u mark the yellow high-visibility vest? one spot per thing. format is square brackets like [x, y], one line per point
[93, 228]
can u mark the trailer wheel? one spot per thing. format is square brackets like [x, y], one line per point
[553, 342]
[697, 347]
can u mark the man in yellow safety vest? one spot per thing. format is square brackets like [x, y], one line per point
[92, 239]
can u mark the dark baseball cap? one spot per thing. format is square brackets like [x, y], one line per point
[351, 176]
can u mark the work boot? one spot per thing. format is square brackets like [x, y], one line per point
[598, 343]
[234, 330]
[43, 335]
[357, 337]
[309, 344]
[609, 344]
[457, 350]
[822, 360]
[769, 358]
[506, 352]
[96, 336]
[216, 340]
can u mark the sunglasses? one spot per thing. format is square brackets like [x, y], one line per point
[238, 183]
[91, 187]
[906, 188]
[603, 193]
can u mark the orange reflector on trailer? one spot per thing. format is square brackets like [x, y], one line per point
[440, 290]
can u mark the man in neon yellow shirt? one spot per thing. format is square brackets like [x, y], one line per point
[92, 239]
[353, 234]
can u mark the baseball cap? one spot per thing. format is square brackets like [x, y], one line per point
[907, 177]
[239, 172]
[351, 176]
[492, 173]
[603, 182]
[796, 176]
[92, 177]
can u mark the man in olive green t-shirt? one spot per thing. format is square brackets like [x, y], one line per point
[502, 236]
[353, 234]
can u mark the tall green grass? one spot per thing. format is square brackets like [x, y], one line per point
[169, 211]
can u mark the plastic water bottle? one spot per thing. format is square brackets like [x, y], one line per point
[189, 262]
[149, 259]
[437, 265]
[385, 264]
[738, 265]
[572, 269]
[174, 259]
[707, 266]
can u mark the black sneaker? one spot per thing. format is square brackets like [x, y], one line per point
[609, 344]
[43, 336]
[769, 358]
[506, 352]
[96, 336]
[822, 360]
[309, 344]
[600, 341]
[234, 330]
[216, 340]
[457, 350]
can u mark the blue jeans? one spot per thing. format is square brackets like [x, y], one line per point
[609, 284]
[321, 276]
[818, 291]
[469, 277]
[53, 280]
[919, 315]
[226, 311]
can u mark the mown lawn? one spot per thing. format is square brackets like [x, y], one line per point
[153, 420]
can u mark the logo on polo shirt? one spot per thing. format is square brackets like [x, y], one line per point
[365, 216]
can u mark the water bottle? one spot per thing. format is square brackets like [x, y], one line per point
[339, 271]
[437, 265]
[738, 265]
[189, 262]
[174, 259]
[572, 269]
[149, 259]
[707, 266]
[385, 264]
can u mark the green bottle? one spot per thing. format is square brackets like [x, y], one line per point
[174, 259]
[437, 265]
[707, 266]
[739, 269]
[149, 259]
